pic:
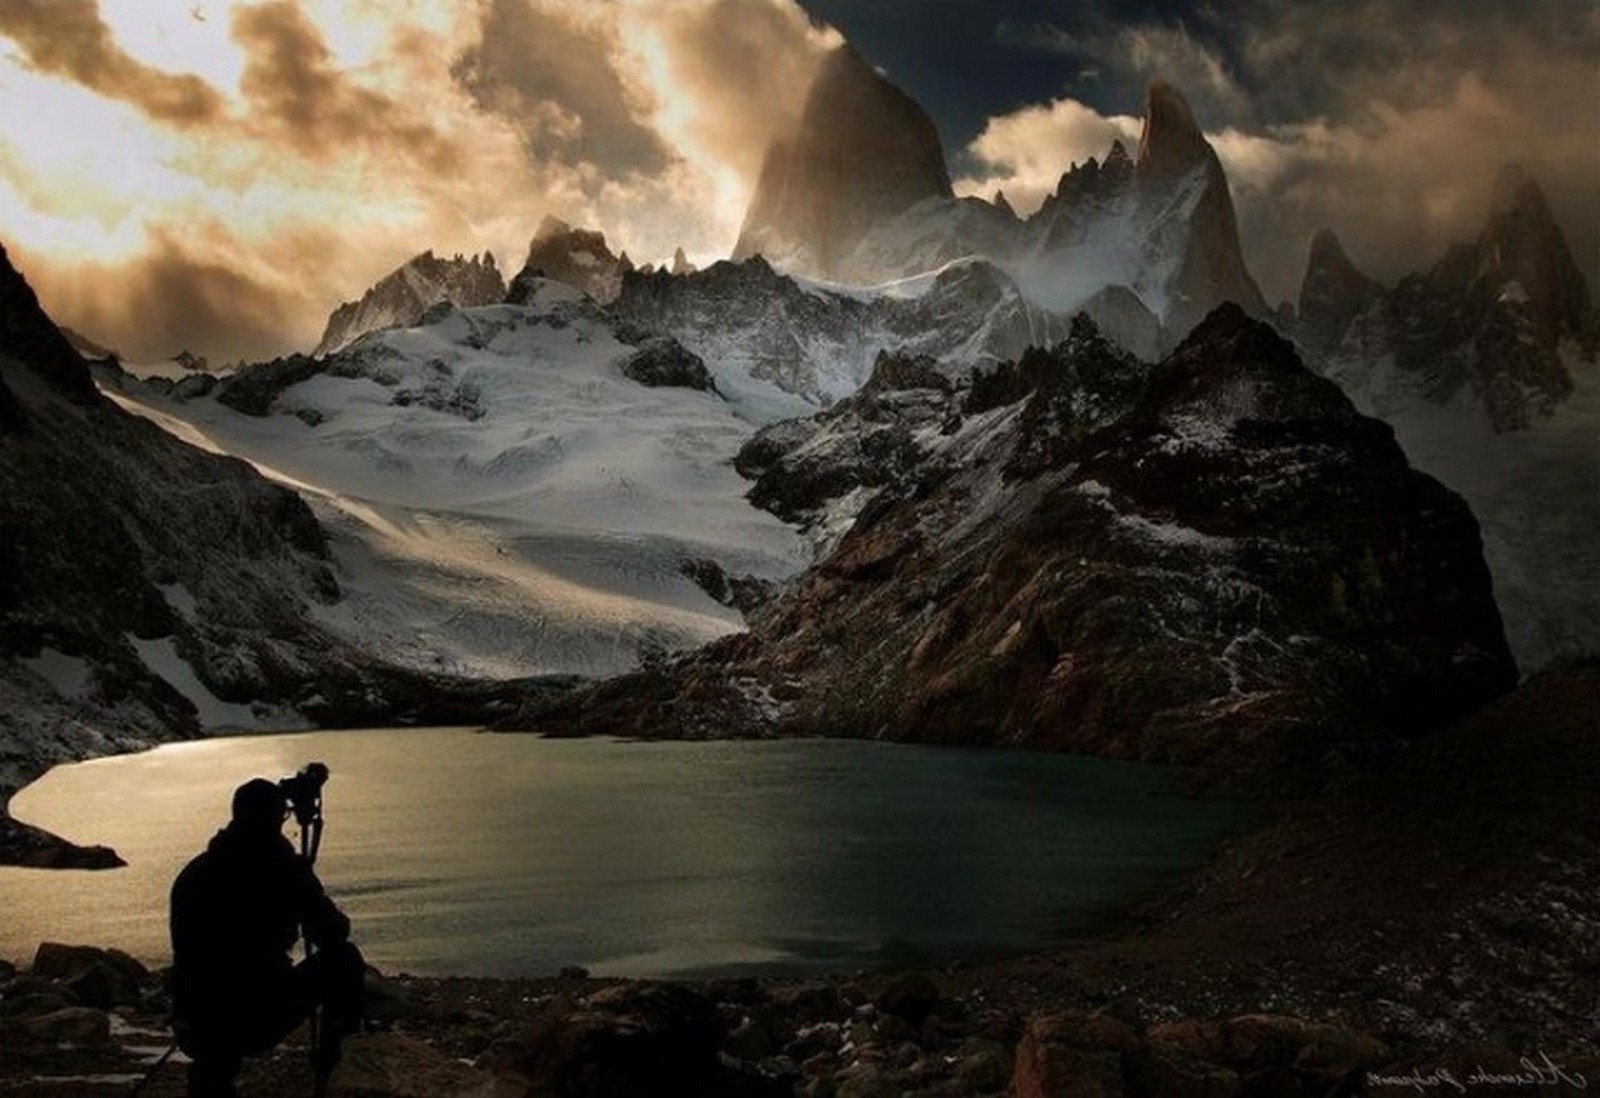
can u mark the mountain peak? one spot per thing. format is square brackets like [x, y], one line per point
[1516, 190]
[402, 296]
[863, 153]
[550, 226]
[1522, 245]
[1171, 142]
[1332, 292]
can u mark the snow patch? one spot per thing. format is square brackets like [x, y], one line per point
[161, 657]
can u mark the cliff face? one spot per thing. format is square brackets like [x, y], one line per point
[863, 153]
[1213, 560]
[401, 297]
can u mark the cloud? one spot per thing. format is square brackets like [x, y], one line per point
[171, 297]
[553, 69]
[1383, 120]
[733, 74]
[349, 135]
[1026, 152]
[297, 97]
[69, 38]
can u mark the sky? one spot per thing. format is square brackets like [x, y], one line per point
[217, 175]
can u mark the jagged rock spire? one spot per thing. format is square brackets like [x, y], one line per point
[863, 152]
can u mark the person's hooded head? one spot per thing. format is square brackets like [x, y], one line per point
[259, 808]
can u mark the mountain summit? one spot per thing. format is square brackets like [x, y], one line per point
[859, 193]
[1171, 142]
[863, 152]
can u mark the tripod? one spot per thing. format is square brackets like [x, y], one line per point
[301, 794]
[306, 798]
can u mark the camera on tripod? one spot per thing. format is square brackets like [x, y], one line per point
[304, 792]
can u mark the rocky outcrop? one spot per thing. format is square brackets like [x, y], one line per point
[1083, 552]
[863, 153]
[577, 257]
[664, 361]
[400, 298]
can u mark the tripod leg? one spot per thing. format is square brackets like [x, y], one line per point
[138, 1087]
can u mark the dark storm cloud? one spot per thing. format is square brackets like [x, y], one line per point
[69, 38]
[167, 299]
[299, 97]
[1383, 119]
[552, 70]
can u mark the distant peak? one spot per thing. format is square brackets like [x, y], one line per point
[1002, 204]
[1515, 189]
[1171, 142]
[551, 226]
[1326, 248]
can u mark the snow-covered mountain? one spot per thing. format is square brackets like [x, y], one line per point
[401, 297]
[770, 338]
[510, 489]
[1088, 552]
[867, 201]
[1485, 367]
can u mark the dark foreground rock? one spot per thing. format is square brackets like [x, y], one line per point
[1213, 560]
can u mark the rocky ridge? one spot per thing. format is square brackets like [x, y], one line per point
[401, 297]
[819, 342]
[1215, 559]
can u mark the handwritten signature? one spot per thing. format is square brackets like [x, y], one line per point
[1534, 1071]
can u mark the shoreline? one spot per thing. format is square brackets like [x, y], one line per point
[1440, 912]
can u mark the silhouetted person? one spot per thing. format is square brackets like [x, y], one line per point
[237, 911]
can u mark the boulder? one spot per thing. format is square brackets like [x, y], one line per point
[911, 997]
[401, 1066]
[663, 361]
[84, 1027]
[56, 961]
[1072, 1055]
[645, 1040]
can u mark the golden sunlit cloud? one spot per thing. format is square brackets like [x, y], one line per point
[235, 169]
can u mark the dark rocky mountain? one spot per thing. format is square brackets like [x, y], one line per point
[1332, 294]
[862, 153]
[146, 586]
[1486, 324]
[1215, 559]
[399, 299]
[578, 257]
[1161, 227]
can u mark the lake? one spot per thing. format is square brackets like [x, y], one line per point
[458, 852]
